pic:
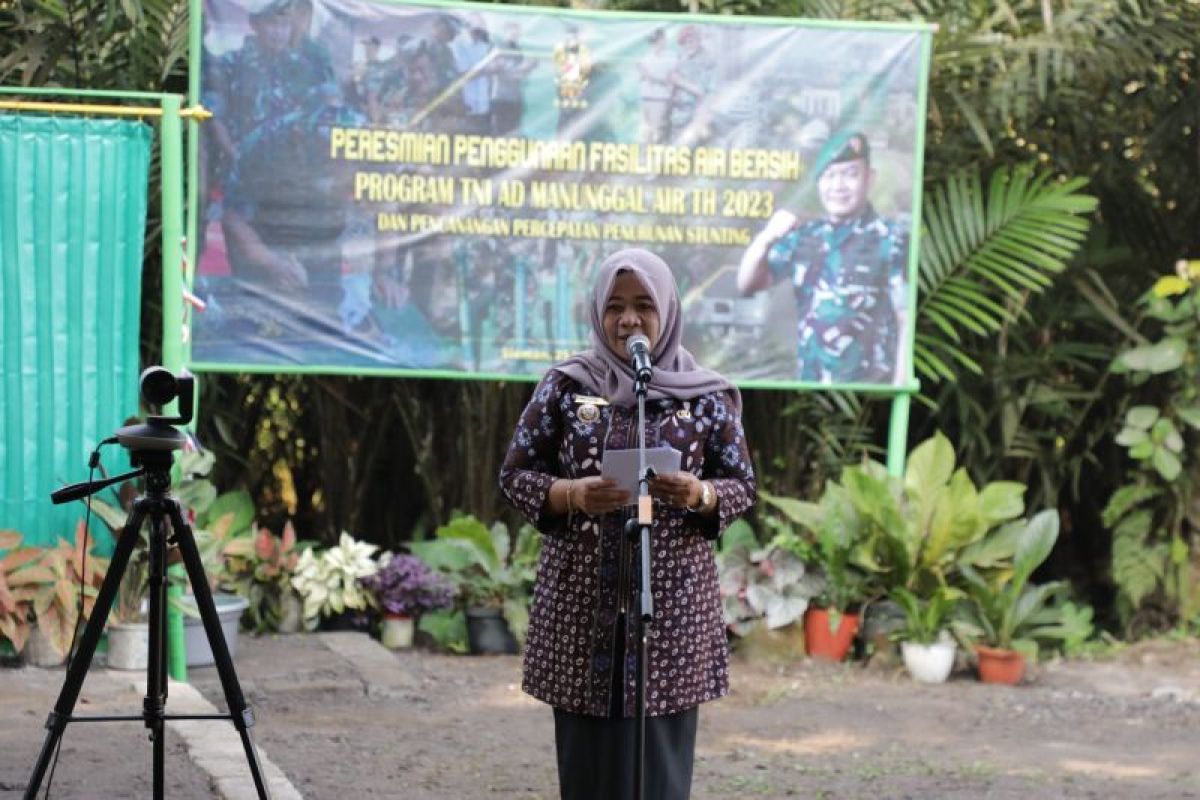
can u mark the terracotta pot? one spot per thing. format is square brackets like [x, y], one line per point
[1000, 666]
[821, 641]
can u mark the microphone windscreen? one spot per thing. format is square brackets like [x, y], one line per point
[634, 341]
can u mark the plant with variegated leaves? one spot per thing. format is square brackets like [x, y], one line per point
[260, 568]
[19, 580]
[59, 574]
[329, 581]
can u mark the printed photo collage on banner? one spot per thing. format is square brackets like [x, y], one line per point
[426, 189]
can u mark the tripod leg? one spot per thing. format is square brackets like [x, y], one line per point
[155, 702]
[243, 716]
[77, 669]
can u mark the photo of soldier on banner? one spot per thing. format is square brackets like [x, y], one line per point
[412, 189]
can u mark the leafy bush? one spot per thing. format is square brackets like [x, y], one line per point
[489, 567]
[1009, 612]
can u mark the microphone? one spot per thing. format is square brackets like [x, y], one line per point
[638, 347]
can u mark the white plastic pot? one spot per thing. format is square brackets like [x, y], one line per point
[929, 663]
[397, 632]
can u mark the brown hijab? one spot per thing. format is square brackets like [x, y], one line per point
[676, 373]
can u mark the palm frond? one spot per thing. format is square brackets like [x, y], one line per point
[982, 255]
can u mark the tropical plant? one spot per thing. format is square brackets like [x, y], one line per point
[130, 602]
[64, 571]
[490, 567]
[926, 620]
[917, 532]
[983, 256]
[838, 584]
[222, 523]
[260, 568]
[760, 584]
[1155, 515]
[1008, 612]
[406, 586]
[19, 580]
[330, 583]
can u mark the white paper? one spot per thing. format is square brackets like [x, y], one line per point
[622, 466]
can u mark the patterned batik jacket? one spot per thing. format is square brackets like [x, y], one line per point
[588, 570]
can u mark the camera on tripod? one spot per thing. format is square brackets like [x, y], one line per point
[150, 444]
[160, 386]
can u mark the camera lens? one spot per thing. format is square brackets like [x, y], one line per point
[159, 386]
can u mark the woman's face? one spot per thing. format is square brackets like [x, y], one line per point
[630, 309]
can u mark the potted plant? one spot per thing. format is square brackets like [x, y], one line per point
[493, 572]
[917, 531]
[260, 568]
[765, 591]
[330, 583]
[222, 523]
[404, 589]
[61, 572]
[20, 578]
[1010, 615]
[832, 619]
[925, 640]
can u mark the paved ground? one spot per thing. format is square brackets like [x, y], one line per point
[343, 718]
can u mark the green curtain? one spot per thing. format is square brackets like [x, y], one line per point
[72, 223]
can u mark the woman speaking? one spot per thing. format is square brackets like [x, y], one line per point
[581, 648]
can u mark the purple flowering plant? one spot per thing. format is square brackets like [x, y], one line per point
[405, 585]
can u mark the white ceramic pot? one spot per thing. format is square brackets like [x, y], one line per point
[397, 632]
[128, 645]
[929, 663]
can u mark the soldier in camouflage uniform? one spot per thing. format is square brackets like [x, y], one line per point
[283, 206]
[848, 272]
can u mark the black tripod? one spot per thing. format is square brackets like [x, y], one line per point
[151, 447]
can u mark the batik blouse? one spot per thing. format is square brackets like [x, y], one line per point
[589, 568]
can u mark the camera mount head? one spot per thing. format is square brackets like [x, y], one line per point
[160, 386]
[149, 443]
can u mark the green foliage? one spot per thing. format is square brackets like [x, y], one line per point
[488, 566]
[916, 532]
[1008, 612]
[260, 568]
[1154, 517]
[983, 255]
[110, 44]
[761, 584]
[925, 619]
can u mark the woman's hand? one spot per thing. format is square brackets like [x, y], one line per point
[596, 495]
[681, 489]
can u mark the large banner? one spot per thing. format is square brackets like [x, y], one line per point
[429, 189]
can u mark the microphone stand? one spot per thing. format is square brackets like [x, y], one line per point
[645, 520]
